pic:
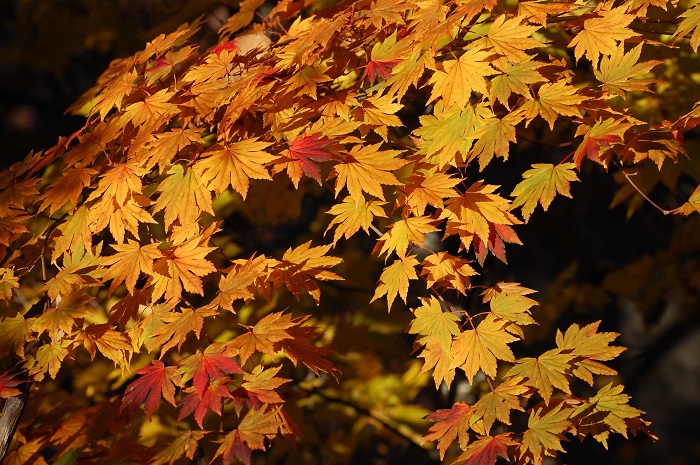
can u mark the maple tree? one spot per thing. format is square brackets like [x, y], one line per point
[119, 250]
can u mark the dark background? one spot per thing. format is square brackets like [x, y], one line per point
[588, 261]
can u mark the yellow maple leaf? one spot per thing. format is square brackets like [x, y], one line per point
[480, 348]
[541, 184]
[67, 188]
[181, 268]
[493, 137]
[509, 38]
[403, 232]
[366, 168]
[440, 361]
[445, 135]
[461, 77]
[423, 189]
[616, 71]
[234, 164]
[394, 279]
[353, 214]
[446, 270]
[497, 404]
[545, 372]
[183, 195]
[691, 22]
[129, 262]
[545, 432]
[515, 78]
[432, 323]
[552, 101]
[119, 182]
[601, 34]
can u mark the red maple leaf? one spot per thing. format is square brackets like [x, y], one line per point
[230, 46]
[210, 399]
[307, 151]
[592, 146]
[484, 451]
[207, 366]
[155, 380]
[380, 69]
[7, 386]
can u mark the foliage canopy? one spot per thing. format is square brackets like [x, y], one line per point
[123, 257]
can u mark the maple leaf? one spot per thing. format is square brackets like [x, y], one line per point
[440, 361]
[592, 346]
[486, 449]
[497, 404]
[412, 230]
[604, 133]
[75, 234]
[407, 73]
[601, 34]
[250, 435]
[14, 332]
[263, 336]
[176, 327]
[205, 367]
[515, 78]
[541, 184]
[8, 282]
[446, 270]
[514, 308]
[156, 381]
[451, 424]
[299, 349]
[234, 165]
[121, 218]
[112, 344]
[239, 282]
[353, 214]
[461, 77]
[210, 399]
[426, 189]
[475, 212]
[181, 267]
[305, 152]
[165, 146]
[306, 80]
[260, 385]
[11, 227]
[492, 137]
[7, 385]
[184, 444]
[432, 323]
[553, 100]
[129, 262]
[692, 205]
[151, 111]
[617, 70]
[509, 38]
[545, 432]
[48, 360]
[545, 372]
[479, 348]
[67, 188]
[394, 279]
[445, 135]
[62, 317]
[119, 182]
[384, 56]
[537, 11]
[366, 168]
[183, 196]
[606, 411]
[691, 21]
[300, 265]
